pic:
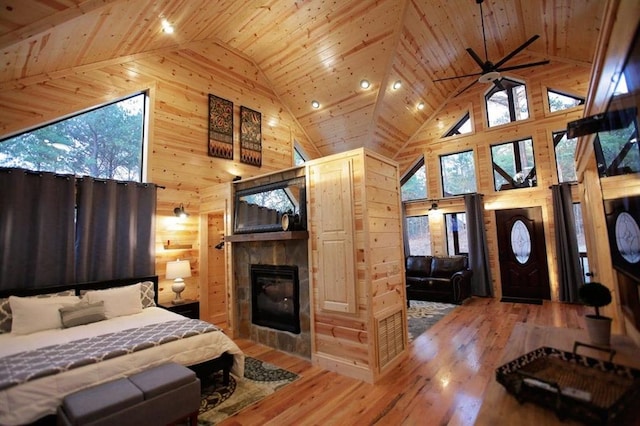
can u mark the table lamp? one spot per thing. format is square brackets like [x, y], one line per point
[177, 271]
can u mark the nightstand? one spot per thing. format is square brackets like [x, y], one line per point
[190, 308]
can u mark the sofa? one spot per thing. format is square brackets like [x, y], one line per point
[438, 278]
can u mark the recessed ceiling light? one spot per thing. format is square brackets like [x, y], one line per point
[315, 104]
[397, 85]
[421, 106]
[167, 27]
[365, 84]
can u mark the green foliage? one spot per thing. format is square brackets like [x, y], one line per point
[416, 187]
[595, 294]
[458, 173]
[104, 143]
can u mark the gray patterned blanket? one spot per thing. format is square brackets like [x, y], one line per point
[30, 365]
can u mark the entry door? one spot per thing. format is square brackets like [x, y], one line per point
[523, 255]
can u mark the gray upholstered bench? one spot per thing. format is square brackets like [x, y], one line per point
[158, 396]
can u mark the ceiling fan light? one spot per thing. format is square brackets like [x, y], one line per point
[489, 77]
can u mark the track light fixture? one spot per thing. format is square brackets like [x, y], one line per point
[180, 212]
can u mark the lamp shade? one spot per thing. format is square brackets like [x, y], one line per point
[178, 269]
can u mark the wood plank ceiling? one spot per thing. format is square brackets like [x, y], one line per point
[309, 50]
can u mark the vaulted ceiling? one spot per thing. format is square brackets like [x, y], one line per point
[311, 50]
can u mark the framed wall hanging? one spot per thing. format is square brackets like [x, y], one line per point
[250, 137]
[220, 128]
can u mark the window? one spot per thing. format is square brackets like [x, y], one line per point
[507, 103]
[513, 165]
[461, 127]
[299, 157]
[565, 150]
[582, 245]
[413, 184]
[418, 235]
[617, 151]
[458, 173]
[456, 233]
[559, 101]
[105, 142]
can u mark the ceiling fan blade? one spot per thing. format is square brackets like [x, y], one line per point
[530, 64]
[498, 83]
[458, 76]
[467, 87]
[476, 58]
[516, 51]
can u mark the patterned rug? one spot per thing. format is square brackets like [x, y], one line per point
[422, 315]
[260, 379]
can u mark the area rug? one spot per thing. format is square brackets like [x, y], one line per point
[422, 315]
[260, 379]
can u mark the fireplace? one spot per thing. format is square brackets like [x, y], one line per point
[275, 297]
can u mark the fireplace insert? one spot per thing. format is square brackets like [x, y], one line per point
[275, 301]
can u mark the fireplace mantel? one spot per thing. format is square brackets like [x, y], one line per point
[268, 236]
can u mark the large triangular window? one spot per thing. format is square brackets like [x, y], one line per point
[413, 184]
[461, 127]
[561, 101]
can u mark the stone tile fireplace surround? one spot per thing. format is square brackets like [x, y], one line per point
[276, 252]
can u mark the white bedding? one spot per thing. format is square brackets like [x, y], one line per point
[29, 401]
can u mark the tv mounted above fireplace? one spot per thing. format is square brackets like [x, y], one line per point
[271, 207]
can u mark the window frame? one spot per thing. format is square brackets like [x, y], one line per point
[442, 174]
[455, 129]
[561, 93]
[531, 176]
[508, 88]
[144, 129]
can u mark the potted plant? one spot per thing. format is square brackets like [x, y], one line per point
[599, 327]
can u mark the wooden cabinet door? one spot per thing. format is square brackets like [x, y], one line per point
[332, 185]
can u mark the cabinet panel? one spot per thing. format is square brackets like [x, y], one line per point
[332, 184]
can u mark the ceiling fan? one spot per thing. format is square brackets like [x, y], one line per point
[491, 72]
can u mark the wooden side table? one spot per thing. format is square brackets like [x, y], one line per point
[190, 308]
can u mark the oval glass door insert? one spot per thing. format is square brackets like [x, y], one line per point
[520, 241]
[628, 237]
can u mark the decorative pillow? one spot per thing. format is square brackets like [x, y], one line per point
[82, 313]
[118, 301]
[31, 314]
[147, 294]
[5, 309]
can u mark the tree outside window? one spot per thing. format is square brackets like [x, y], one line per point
[105, 142]
[413, 186]
[507, 103]
[617, 151]
[559, 101]
[513, 165]
[418, 235]
[456, 224]
[458, 173]
[565, 150]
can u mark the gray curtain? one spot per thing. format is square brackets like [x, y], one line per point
[481, 284]
[36, 229]
[115, 236]
[568, 256]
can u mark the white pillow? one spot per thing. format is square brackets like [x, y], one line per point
[118, 301]
[31, 314]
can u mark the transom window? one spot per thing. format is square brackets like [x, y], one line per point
[506, 102]
[461, 127]
[513, 165]
[560, 101]
[105, 142]
[565, 150]
[413, 184]
[458, 173]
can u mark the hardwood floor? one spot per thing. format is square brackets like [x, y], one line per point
[441, 383]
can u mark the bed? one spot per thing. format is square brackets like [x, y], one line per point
[38, 367]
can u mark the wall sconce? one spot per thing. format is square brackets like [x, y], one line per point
[434, 207]
[180, 212]
[177, 271]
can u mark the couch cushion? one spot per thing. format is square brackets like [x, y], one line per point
[418, 266]
[445, 266]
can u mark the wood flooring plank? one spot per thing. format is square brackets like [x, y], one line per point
[442, 381]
